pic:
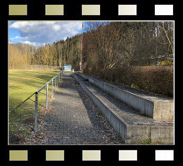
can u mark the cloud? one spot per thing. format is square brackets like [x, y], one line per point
[18, 37]
[36, 44]
[45, 31]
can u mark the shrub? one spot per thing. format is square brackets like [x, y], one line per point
[156, 79]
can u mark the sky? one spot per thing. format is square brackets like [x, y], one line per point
[39, 33]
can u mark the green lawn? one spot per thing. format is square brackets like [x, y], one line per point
[23, 83]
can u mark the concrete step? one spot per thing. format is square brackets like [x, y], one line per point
[131, 125]
[156, 107]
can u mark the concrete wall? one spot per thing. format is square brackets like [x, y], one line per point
[156, 110]
[131, 134]
[111, 116]
[162, 134]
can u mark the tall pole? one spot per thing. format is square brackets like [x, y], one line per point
[81, 58]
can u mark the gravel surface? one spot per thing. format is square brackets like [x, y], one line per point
[73, 118]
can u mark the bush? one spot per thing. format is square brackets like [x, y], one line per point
[156, 79]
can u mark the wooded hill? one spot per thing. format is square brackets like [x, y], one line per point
[104, 45]
[56, 54]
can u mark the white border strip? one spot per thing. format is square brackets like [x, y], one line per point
[127, 10]
[164, 155]
[163, 10]
[127, 155]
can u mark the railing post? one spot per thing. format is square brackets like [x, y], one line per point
[52, 89]
[55, 83]
[47, 96]
[57, 77]
[36, 111]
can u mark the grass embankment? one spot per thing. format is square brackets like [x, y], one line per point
[23, 83]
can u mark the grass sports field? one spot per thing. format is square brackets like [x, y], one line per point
[23, 83]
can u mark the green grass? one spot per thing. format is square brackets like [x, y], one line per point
[23, 83]
[149, 142]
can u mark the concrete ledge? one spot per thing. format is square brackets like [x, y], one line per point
[152, 106]
[131, 134]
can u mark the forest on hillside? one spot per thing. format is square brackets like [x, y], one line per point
[56, 54]
[102, 45]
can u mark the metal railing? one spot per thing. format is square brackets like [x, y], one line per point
[57, 78]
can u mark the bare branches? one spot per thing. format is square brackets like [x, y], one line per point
[164, 30]
[106, 45]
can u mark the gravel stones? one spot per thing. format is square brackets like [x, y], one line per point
[74, 119]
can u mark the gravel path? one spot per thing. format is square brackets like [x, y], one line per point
[74, 119]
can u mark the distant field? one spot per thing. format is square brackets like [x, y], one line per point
[23, 83]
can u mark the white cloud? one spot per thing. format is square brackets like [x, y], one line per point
[56, 27]
[18, 37]
[46, 31]
[36, 44]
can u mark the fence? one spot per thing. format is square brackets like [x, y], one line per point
[36, 67]
[42, 67]
[56, 81]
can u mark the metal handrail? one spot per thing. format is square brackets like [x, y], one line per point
[23, 102]
[58, 76]
[47, 83]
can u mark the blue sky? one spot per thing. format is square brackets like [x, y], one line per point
[13, 33]
[38, 33]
